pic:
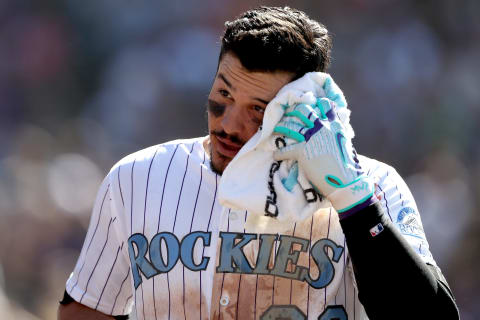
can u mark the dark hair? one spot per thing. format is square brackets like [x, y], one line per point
[277, 39]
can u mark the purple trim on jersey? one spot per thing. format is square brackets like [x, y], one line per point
[221, 292]
[181, 189]
[126, 302]
[91, 240]
[344, 272]
[238, 295]
[183, 279]
[120, 290]
[240, 281]
[373, 199]
[399, 193]
[131, 198]
[109, 274]
[198, 192]
[354, 300]
[223, 274]
[308, 287]
[96, 263]
[273, 286]
[163, 191]
[386, 201]
[328, 233]
[291, 281]
[153, 294]
[168, 288]
[208, 226]
[120, 187]
[158, 225]
[213, 204]
[173, 231]
[255, 302]
[191, 225]
[143, 301]
[146, 189]
[136, 304]
[174, 223]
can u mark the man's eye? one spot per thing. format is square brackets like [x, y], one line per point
[224, 93]
[259, 109]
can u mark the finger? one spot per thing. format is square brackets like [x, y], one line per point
[304, 112]
[290, 152]
[296, 113]
[306, 109]
[324, 105]
[289, 133]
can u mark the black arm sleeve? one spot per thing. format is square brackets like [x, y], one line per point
[393, 282]
[68, 299]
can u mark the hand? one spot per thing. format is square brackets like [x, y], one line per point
[324, 153]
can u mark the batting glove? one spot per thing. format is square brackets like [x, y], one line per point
[325, 154]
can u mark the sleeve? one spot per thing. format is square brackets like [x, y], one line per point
[392, 272]
[101, 279]
[399, 205]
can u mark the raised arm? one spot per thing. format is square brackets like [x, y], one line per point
[393, 280]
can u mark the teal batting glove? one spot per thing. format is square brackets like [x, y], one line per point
[325, 154]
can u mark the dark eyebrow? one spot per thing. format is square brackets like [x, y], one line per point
[261, 100]
[221, 76]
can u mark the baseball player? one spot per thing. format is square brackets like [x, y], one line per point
[160, 244]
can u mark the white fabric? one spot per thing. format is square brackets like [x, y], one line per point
[171, 189]
[244, 183]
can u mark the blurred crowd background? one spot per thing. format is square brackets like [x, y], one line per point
[84, 83]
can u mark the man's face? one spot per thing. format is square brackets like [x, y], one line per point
[236, 105]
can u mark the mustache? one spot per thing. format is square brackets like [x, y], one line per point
[233, 138]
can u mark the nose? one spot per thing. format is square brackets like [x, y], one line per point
[232, 121]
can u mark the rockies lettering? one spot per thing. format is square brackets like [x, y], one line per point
[232, 258]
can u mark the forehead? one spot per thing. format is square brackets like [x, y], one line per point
[243, 81]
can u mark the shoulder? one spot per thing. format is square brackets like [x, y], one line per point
[391, 189]
[157, 161]
[398, 204]
[377, 169]
[388, 182]
[176, 148]
[384, 175]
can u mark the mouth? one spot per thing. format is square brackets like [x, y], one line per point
[226, 147]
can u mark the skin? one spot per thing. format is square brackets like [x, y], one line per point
[236, 105]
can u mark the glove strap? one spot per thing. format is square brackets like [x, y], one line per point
[350, 198]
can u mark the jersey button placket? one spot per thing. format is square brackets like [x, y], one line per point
[224, 301]
[233, 215]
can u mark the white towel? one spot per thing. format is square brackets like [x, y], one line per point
[254, 181]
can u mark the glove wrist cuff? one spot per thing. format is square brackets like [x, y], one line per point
[349, 198]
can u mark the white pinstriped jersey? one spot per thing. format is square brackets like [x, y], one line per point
[160, 242]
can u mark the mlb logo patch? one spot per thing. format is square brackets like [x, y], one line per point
[375, 231]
